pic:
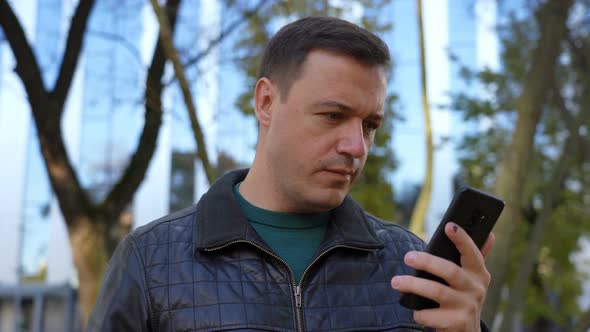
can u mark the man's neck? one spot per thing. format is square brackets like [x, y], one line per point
[258, 189]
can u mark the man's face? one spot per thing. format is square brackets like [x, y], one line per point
[317, 140]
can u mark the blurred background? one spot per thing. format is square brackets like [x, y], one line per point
[100, 133]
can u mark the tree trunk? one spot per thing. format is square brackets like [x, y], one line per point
[568, 154]
[551, 17]
[89, 252]
[419, 213]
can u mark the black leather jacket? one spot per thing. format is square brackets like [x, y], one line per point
[206, 269]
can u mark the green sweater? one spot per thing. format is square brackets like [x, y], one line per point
[293, 237]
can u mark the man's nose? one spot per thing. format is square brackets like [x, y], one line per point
[352, 141]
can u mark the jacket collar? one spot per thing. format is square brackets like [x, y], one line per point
[220, 221]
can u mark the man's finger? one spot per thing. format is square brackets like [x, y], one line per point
[443, 268]
[487, 246]
[471, 257]
[427, 288]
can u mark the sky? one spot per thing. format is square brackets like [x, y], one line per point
[240, 137]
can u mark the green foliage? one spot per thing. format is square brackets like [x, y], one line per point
[555, 284]
[372, 189]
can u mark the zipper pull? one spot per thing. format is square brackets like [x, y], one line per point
[298, 296]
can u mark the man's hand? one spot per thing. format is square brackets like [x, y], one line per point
[462, 300]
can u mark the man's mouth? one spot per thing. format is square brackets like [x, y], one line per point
[341, 171]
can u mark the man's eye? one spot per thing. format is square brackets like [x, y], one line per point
[333, 116]
[371, 126]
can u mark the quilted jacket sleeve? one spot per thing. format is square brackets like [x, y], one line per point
[122, 302]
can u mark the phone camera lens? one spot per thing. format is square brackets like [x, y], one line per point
[477, 217]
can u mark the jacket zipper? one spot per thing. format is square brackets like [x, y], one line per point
[296, 288]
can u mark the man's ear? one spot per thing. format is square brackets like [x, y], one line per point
[265, 94]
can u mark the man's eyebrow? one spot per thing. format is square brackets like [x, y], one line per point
[334, 104]
[346, 108]
[376, 117]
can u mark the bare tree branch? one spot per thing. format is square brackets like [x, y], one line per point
[123, 191]
[247, 14]
[71, 55]
[172, 55]
[418, 218]
[233, 26]
[27, 67]
[47, 111]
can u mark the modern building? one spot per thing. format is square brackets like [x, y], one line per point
[103, 118]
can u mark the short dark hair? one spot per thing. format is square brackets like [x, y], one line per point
[288, 48]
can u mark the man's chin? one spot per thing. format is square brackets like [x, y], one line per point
[327, 201]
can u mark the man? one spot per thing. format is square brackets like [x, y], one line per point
[281, 247]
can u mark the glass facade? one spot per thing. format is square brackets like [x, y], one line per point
[403, 45]
[112, 116]
[38, 193]
[182, 180]
[183, 172]
[36, 214]
[236, 133]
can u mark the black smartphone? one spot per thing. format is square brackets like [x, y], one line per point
[477, 213]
